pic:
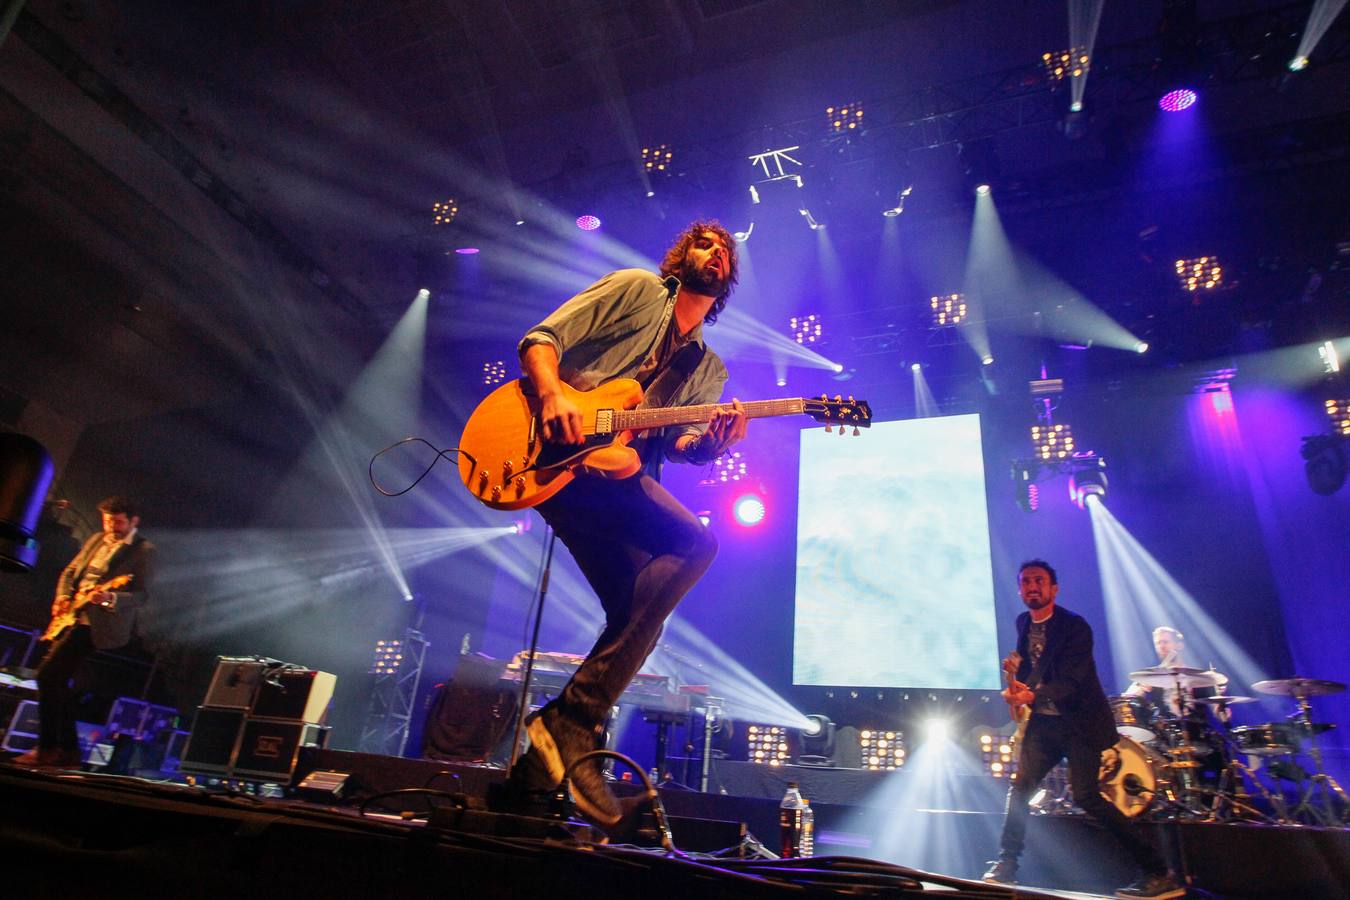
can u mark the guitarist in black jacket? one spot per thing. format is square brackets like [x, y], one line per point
[1070, 719]
[109, 580]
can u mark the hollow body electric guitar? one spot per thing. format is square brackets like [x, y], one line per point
[69, 614]
[1020, 713]
[506, 463]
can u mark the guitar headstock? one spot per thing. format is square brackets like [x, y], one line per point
[839, 412]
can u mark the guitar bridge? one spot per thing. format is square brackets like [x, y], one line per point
[604, 421]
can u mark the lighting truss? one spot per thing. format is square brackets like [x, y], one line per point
[1052, 443]
[768, 744]
[656, 160]
[397, 672]
[844, 119]
[806, 329]
[1338, 411]
[444, 212]
[996, 756]
[948, 310]
[1066, 64]
[882, 750]
[1201, 273]
[771, 162]
[494, 372]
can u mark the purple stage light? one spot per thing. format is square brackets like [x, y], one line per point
[1176, 101]
[466, 251]
[748, 510]
[588, 223]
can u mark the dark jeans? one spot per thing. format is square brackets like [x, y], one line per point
[641, 551]
[1048, 740]
[56, 701]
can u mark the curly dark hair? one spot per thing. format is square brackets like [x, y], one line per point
[674, 261]
[1038, 564]
[118, 504]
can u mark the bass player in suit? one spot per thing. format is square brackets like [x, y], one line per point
[1070, 718]
[101, 590]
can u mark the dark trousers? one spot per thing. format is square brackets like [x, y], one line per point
[56, 701]
[1048, 740]
[641, 551]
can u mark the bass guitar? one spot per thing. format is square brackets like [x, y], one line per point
[505, 462]
[1019, 712]
[69, 613]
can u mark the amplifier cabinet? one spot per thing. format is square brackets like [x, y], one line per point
[235, 682]
[213, 741]
[269, 748]
[299, 694]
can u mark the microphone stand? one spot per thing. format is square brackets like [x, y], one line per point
[523, 707]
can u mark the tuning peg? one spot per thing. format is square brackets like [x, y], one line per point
[850, 399]
[823, 397]
[838, 398]
[830, 428]
[856, 432]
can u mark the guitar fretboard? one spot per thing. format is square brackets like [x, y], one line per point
[660, 417]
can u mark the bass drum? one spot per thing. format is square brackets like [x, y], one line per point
[1130, 775]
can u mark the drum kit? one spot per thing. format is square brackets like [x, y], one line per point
[1157, 765]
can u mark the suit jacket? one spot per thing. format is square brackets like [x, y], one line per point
[1067, 675]
[112, 628]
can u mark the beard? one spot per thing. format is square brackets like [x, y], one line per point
[701, 281]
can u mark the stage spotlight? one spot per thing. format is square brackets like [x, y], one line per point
[388, 657]
[1324, 463]
[817, 741]
[882, 749]
[1331, 360]
[768, 744]
[520, 526]
[843, 119]
[996, 754]
[810, 220]
[26, 472]
[806, 329]
[916, 367]
[982, 189]
[1141, 347]
[1178, 100]
[839, 370]
[588, 222]
[729, 467]
[444, 212]
[754, 194]
[986, 360]
[1076, 106]
[748, 510]
[900, 203]
[1088, 482]
[1298, 64]
[1052, 442]
[743, 236]
[781, 381]
[937, 729]
[494, 372]
[1338, 411]
[466, 251]
[656, 160]
[1201, 272]
[705, 517]
[1066, 64]
[948, 309]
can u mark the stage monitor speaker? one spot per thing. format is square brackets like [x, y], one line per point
[235, 682]
[270, 747]
[213, 741]
[298, 694]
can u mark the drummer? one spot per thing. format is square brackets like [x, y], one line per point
[1170, 645]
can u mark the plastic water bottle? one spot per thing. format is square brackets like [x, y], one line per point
[790, 816]
[808, 842]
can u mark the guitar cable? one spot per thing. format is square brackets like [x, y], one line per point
[440, 454]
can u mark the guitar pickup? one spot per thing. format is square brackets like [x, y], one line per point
[604, 421]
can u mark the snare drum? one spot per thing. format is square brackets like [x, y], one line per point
[1134, 717]
[1130, 775]
[1270, 739]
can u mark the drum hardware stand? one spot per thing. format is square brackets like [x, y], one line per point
[1329, 787]
[524, 705]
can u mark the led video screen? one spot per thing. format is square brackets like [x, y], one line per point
[894, 582]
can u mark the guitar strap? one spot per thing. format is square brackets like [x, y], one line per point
[665, 386]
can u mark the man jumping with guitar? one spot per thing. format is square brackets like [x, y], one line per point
[95, 609]
[639, 548]
[1053, 674]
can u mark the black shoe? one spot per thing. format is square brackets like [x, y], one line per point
[557, 742]
[1002, 871]
[1154, 887]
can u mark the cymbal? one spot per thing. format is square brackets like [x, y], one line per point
[1298, 687]
[1223, 700]
[1171, 676]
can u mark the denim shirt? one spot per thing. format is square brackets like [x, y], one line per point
[608, 330]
